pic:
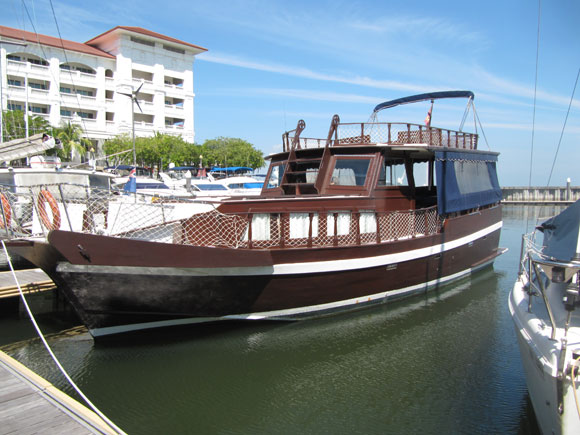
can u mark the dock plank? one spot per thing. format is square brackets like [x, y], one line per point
[31, 405]
[30, 280]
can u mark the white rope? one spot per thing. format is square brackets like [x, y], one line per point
[53, 356]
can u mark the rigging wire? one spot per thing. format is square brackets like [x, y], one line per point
[535, 91]
[535, 95]
[563, 127]
[53, 356]
[481, 127]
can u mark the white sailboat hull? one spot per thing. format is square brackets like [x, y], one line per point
[540, 358]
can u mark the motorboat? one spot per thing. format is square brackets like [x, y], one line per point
[369, 213]
[544, 306]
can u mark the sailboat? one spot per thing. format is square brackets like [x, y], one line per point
[545, 307]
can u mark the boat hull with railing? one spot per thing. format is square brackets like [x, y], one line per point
[341, 224]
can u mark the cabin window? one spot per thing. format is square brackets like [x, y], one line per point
[300, 225]
[260, 227]
[276, 174]
[393, 174]
[421, 173]
[350, 172]
[368, 222]
[342, 223]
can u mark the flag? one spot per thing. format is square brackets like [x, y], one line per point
[428, 117]
[131, 185]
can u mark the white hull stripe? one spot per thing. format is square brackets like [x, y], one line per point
[287, 268]
[294, 313]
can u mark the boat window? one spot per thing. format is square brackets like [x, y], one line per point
[393, 174]
[300, 225]
[472, 176]
[211, 187]
[152, 186]
[276, 174]
[260, 227]
[421, 174]
[342, 223]
[350, 171]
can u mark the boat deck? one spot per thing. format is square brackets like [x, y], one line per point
[30, 404]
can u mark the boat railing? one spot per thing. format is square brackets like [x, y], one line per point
[34, 211]
[308, 229]
[384, 133]
[539, 270]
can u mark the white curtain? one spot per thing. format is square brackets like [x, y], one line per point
[368, 222]
[343, 177]
[342, 224]
[260, 227]
[300, 223]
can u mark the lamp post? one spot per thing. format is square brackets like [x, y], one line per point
[200, 161]
[2, 85]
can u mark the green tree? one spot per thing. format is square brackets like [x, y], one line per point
[162, 149]
[119, 148]
[228, 151]
[14, 126]
[72, 140]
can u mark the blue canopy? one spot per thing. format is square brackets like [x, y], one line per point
[466, 180]
[424, 97]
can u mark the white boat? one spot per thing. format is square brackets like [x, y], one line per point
[544, 306]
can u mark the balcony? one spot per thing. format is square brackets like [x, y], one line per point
[31, 70]
[78, 78]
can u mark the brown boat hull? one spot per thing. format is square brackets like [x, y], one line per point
[115, 288]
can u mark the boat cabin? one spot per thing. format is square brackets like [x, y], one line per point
[398, 166]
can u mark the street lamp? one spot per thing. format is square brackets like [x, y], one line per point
[200, 161]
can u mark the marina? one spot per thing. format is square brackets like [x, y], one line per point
[446, 361]
[363, 284]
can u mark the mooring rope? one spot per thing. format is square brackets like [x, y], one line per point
[112, 425]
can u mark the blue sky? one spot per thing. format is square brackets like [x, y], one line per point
[271, 63]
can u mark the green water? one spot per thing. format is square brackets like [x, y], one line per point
[446, 362]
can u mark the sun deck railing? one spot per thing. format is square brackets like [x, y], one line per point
[34, 211]
[390, 133]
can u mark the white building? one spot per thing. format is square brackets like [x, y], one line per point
[64, 80]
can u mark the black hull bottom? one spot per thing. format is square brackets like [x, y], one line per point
[112, 303]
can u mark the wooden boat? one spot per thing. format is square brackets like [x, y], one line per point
[544, 307]
[342, 223]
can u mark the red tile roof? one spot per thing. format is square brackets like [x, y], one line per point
[147, 33]
[22, 35]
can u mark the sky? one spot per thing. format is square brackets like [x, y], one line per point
[271, 63]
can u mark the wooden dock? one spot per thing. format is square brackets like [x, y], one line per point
[31, 281]
[30, 404]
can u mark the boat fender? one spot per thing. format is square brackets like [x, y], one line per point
[45, 197]
[6, 211]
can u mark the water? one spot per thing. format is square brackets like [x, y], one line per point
[446, 362]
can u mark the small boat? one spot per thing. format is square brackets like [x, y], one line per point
[544, 304]
[370, 213]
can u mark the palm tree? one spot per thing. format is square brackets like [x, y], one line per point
[70, 136]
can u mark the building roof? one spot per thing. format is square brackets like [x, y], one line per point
[23, 35]
[145, 32]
